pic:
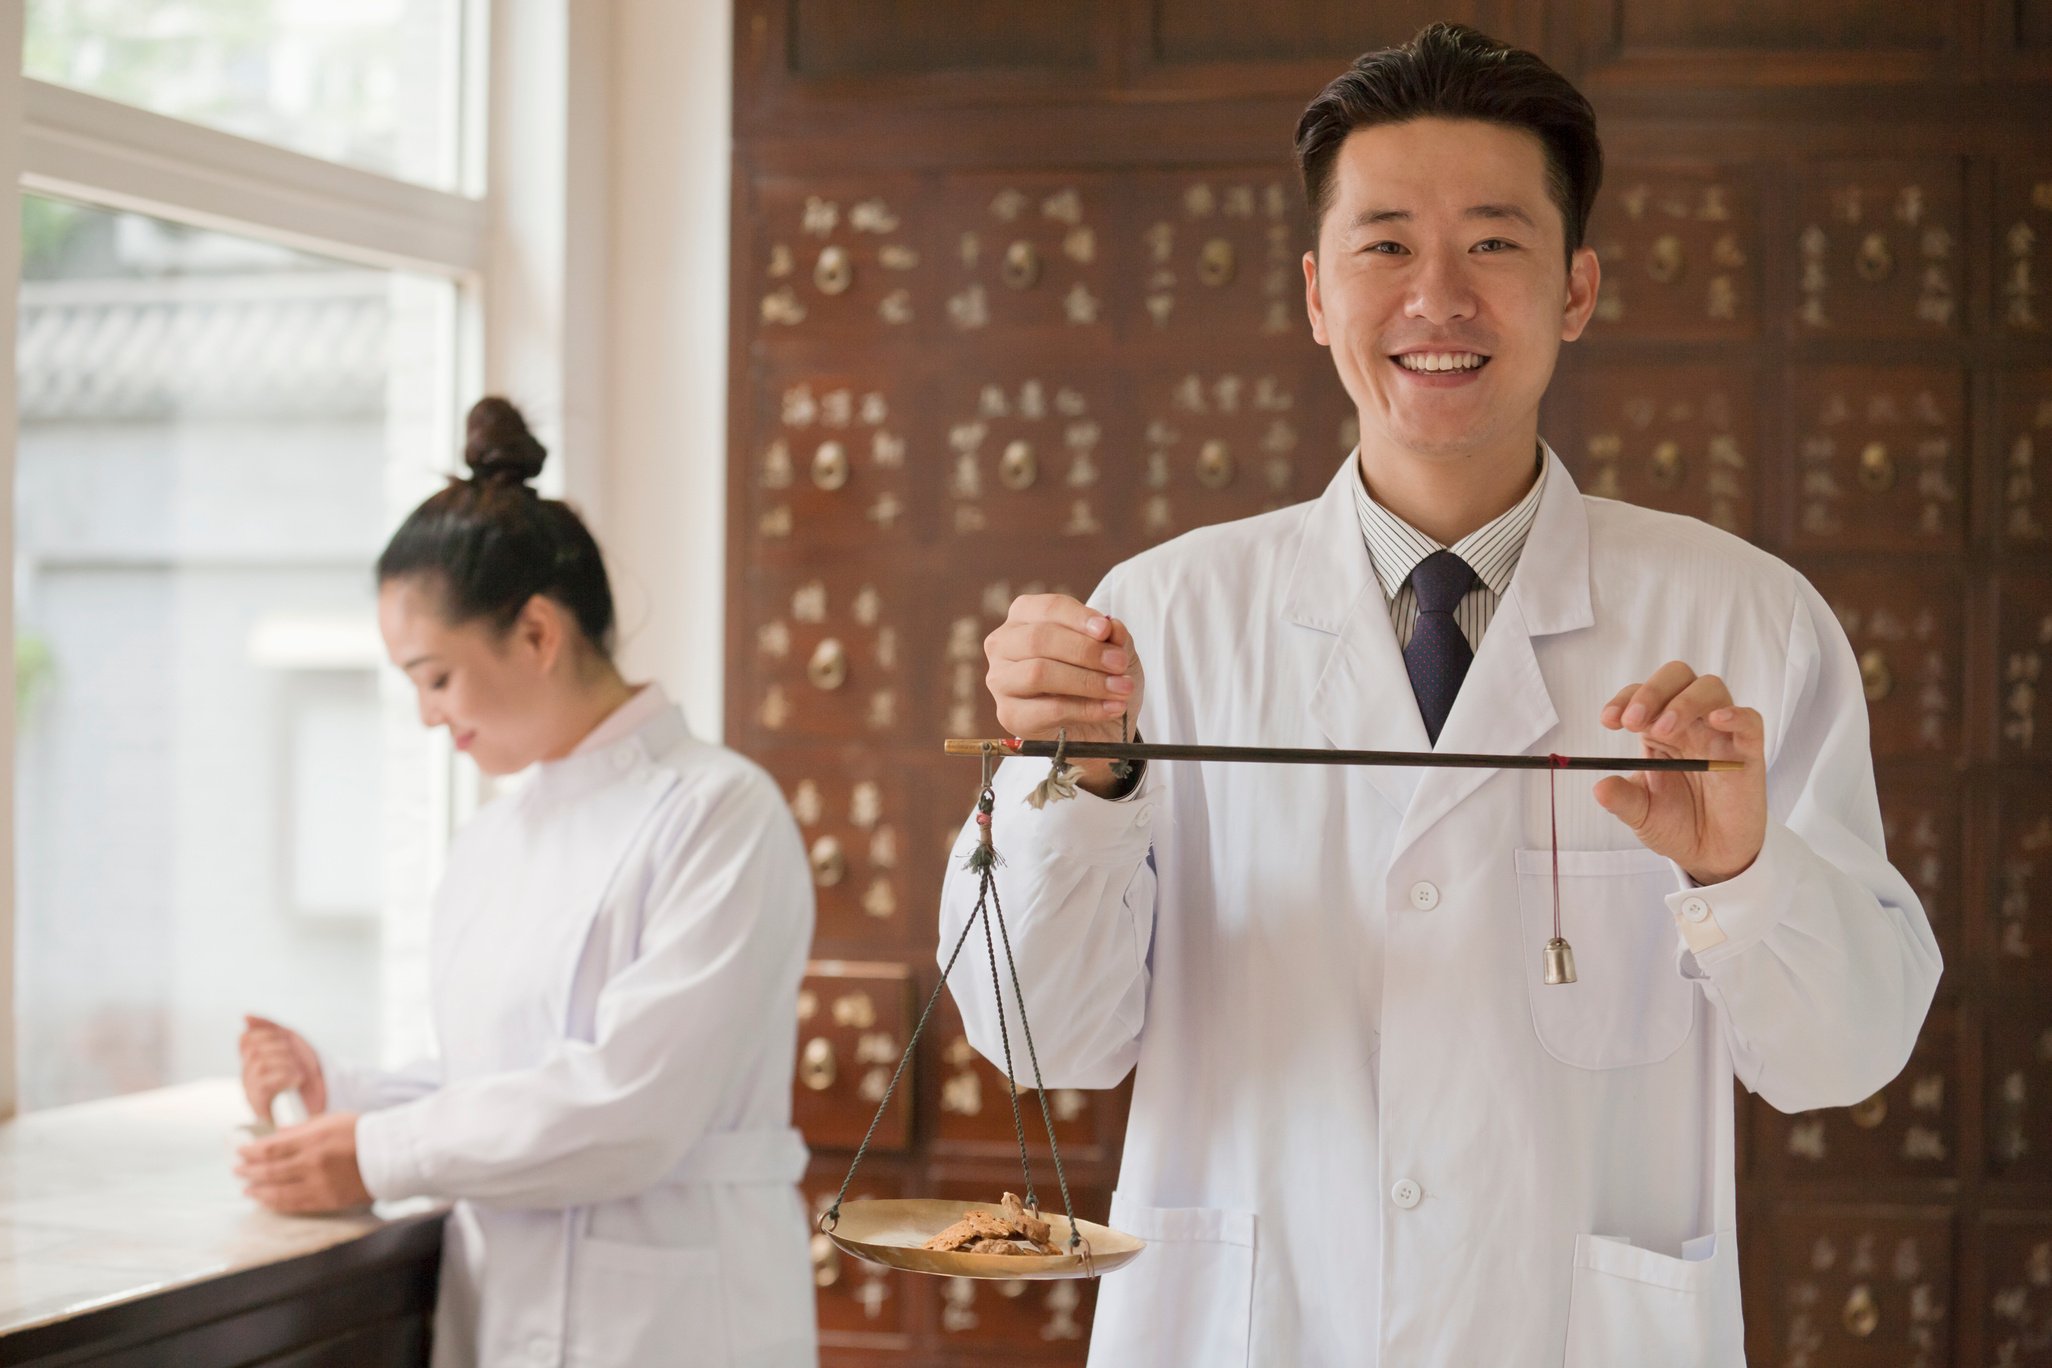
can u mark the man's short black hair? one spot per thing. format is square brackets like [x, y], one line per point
[1450, 71]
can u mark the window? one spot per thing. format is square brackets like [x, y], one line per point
[370, 83]
[216, 435]
[251, 308]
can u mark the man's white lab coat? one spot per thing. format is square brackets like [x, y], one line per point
[1363, 1129]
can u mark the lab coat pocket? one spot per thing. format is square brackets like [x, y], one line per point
[1628, 1004]
[1199, 1262]
[1631, 1306]
[634, 1303]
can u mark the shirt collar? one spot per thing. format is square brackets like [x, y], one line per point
[625, 720]
[1491, 550]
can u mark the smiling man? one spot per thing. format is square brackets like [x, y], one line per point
[1366, 1128]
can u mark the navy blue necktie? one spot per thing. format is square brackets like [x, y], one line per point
[1438, 657]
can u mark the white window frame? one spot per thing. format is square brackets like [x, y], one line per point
[521, 237]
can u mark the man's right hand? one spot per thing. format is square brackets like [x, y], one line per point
[1057, 664]
[275, 1058]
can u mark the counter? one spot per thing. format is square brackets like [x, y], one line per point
[125, 1239]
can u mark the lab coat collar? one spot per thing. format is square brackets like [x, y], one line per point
[648, 726]
[1362, 699]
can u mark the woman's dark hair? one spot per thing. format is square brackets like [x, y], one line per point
[493, 543]
[1450, 71]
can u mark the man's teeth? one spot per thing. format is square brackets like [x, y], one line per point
[1440, 361]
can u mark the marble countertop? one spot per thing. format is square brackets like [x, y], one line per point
[109, 1201]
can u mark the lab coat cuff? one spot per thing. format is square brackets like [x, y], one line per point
[388, 1154]
[1078, 827]
[1719, 921]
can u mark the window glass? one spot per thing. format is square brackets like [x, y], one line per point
[372, 83]
[225, 800]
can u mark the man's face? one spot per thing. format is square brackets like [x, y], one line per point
[1440, 285]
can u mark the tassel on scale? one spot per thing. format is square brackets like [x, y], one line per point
[1062, 777]
[984, 858]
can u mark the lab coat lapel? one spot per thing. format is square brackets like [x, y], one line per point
[1504, 707]
[590, 815]
[1361, 698]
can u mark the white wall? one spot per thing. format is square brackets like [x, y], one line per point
[663, 520]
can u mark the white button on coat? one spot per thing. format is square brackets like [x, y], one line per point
[1424, 896]
[1695, 909]
[1405, 1193]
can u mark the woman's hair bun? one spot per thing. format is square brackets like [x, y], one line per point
[497, 444]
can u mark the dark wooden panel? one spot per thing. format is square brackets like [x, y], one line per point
[2023, 222]
[2033, 24]
[2019, 1106]
[855, 813]
[2020, 919]
[838, 467]
[1683, 439]
[1907, 634]
[841, 258]
[1294, 30]
[1880, 456]
[854, 1020]
[1879, 249]
[1861, 1288]
[862, 38]
[1776, 43]
[2019, 463]
[1680, 250]
[2024, 658]
[2017, 1315]
[1771, 25]
[1920, 811]
[829, 655]
[1220, 253]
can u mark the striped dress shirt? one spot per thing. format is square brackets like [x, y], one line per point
[1491, 550]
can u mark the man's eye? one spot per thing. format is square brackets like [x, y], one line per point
[1495, 245]
[1386, 248]
[439, 684]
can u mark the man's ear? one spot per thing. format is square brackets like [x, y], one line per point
[1314, 307]
[1585, 276]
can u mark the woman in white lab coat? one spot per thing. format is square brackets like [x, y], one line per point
[617, 948]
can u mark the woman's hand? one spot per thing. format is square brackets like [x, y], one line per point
[306, 1169]
[274, 1059]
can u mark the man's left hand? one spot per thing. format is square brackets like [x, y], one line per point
[1712, 825]
[305, 1169]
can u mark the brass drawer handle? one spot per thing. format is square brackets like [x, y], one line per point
[834, 272]
[1216, 265]
[817, 1069]
[829, 862]
[1021, 268]
[830, 466]
[1215, 468]
[1018, 468]
[1877, 468]
[828, 668]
